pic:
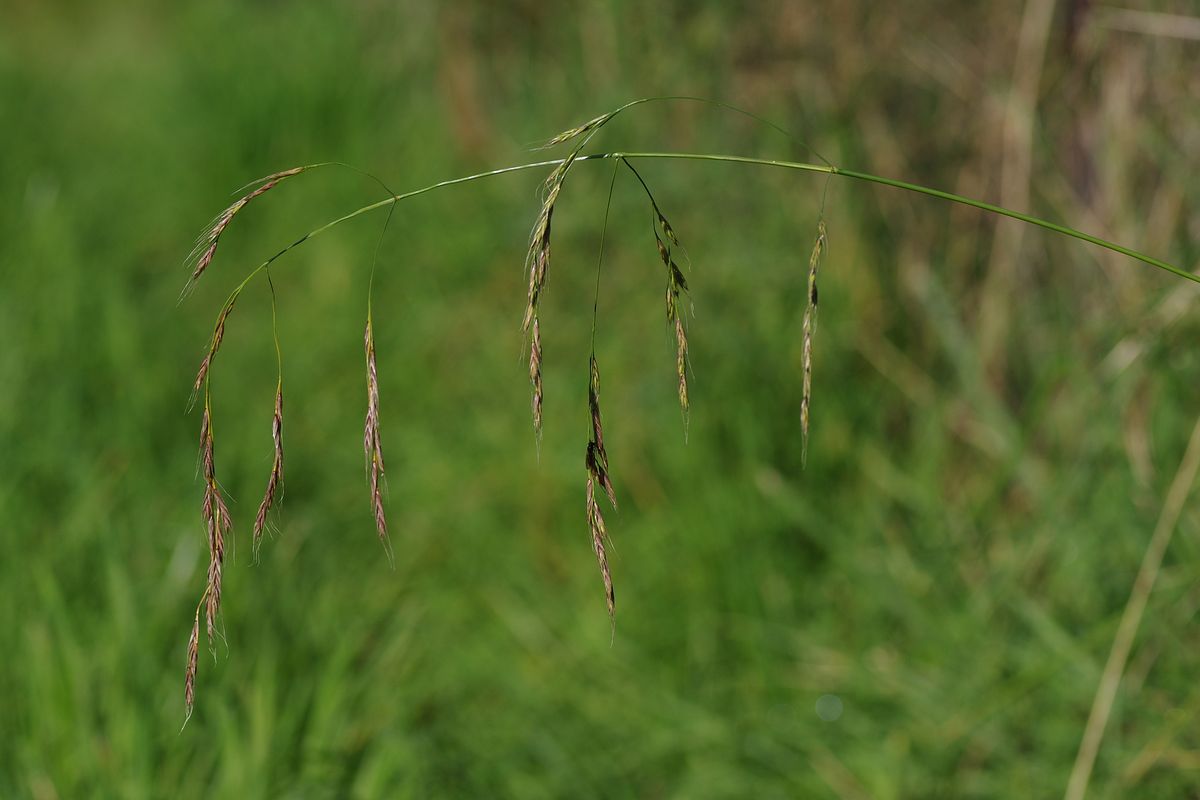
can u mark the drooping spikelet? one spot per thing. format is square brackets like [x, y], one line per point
[218, 524]
[810, 329]
[597, 473]
[372, 442]
[276, 478]
[538, 263]
[676, 289]
[189, 675]
[206, 245]
[535, 375]
[571, 133]
[599, 537]
[213, 346]
[601, 455]
[537, 260]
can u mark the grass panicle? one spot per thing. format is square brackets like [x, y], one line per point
[537, 259]
[275, 480]
[810, 329]
[676, 293]
[218, 521]
[538, 262]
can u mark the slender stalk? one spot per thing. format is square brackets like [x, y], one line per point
[732, 159]
[926, 190]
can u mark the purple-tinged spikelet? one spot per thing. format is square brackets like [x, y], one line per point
[372, 442]
[276, 478]
[810, 329]
[206, 247]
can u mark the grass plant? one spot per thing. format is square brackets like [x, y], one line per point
[537, 263]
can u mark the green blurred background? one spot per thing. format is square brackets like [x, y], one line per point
[997, 411]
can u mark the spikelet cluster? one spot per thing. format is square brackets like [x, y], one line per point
[193, 662]
[537, 259]
[677, 290]
[538, 263]
[276, 478]
[218, 525]
[597, 474]
[206, 245]
[214, 345]
[372, 442]
[572, 133]
[535, 374]
[810, 329]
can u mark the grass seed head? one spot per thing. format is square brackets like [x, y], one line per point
[676, 288]
[667, 230]
[372, 441]
[598, 456]
[598, 533]
[809, 330]
[214, 345]
[276, 478]
[218, 524]
[535, 376]
[572, 133]
[206, 246]
[681, 350]
[189, 676]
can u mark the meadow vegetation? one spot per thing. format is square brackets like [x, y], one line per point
[998, 413]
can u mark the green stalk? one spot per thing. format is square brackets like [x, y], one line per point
[795, 165]
[926, 190]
